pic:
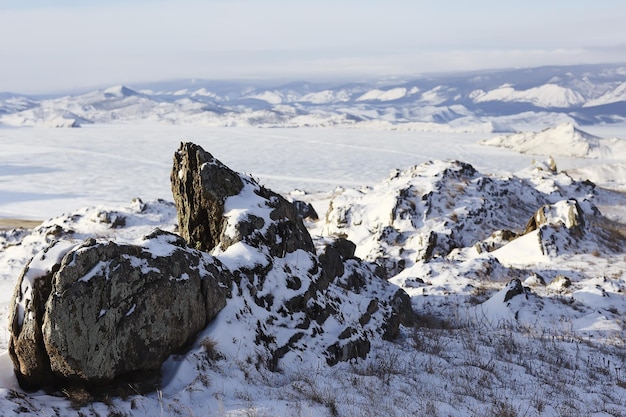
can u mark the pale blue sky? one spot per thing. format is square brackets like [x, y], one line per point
[53, 46]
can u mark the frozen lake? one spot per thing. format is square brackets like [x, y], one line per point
[46, 172]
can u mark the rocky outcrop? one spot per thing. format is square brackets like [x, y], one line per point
[567, 212]
[201, 185]
[560, 227]
[89, 313]
[513, 289]
[287, 288]
[92, 313]
[428, 211]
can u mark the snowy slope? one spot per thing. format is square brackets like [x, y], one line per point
[547, 96]
[563, 140]
[483, 345]
[613, 96]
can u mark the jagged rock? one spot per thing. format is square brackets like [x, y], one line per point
[287, 288]
[305, 210]
[513, 289]
[202, 185]
[106, 310]
[282, 231]
[426, 212]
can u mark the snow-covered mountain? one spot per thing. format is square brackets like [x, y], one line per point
[477, 101]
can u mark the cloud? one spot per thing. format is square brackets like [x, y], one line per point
[100, 43]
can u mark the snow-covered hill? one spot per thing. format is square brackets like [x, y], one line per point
[508, 99]
[563, 140]
[518, 281]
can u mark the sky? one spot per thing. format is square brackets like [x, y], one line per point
[56, 46]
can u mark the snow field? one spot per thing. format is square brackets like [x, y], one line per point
[558, 351]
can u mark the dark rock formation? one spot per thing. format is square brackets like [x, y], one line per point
[201, 185]
[218, 209]
[305, 210]
[108, 309]
[513, 289]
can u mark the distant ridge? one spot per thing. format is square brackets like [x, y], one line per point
[462, 102]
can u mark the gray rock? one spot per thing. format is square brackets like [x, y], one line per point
[111, 309]
[201, 184]
[26, 348]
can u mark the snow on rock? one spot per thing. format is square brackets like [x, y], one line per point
[426, 211]
[106, 310]
[218, 207]
[501, 306]
[286, 299]
[451, 236]
[562, 140]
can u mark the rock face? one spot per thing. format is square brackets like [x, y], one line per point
[89, 313]
[201, 185]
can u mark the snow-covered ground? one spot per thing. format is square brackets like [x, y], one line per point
[557, 351]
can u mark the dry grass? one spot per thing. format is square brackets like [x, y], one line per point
[6, 224]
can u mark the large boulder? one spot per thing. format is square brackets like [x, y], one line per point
[92, 312]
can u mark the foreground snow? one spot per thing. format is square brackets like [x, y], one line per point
[555, 350]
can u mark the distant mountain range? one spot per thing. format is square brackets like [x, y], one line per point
[490, 101]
